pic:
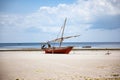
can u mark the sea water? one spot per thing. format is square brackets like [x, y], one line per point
[75, 44]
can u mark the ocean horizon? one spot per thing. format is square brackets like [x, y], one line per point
[75, 44]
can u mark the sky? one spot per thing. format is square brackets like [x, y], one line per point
[41, 20]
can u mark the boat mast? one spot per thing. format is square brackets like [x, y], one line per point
[63, 32]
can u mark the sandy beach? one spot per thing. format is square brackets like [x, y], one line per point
[78, 65]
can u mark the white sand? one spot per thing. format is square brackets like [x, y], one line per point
[78, 65]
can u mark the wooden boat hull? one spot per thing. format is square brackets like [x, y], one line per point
[58, 50]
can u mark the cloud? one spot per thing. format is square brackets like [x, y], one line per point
[80, 12]
[7, 20]
[33, 30]
[82, 15]
[98, 35]
[107, 22]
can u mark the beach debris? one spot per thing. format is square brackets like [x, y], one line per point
[115, 75]
[19, 79]
[103, 78]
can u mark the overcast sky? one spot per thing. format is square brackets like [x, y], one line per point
[41, 20]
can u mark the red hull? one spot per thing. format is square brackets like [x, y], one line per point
[58, 50]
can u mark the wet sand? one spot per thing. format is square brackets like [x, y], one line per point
[78, 65]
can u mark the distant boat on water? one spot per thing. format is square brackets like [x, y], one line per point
[60, 49]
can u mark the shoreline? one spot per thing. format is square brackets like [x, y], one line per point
[38, 49]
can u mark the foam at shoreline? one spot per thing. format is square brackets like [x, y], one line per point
[38, 49]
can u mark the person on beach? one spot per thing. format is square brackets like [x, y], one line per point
[108, 53]
[44, 45]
